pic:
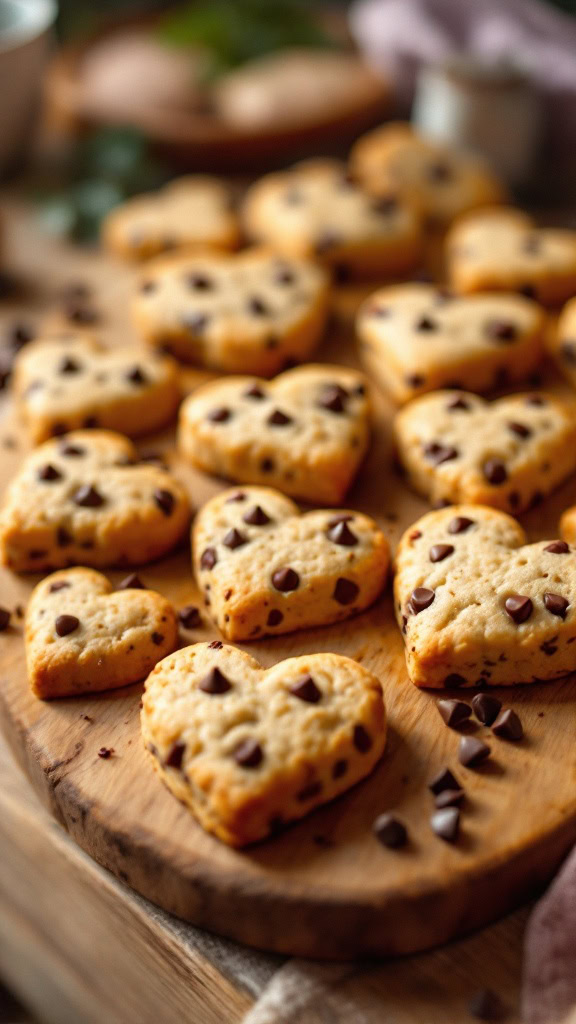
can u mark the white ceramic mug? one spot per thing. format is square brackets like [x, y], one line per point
[25, 27]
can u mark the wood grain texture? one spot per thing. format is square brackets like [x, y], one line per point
[325, 888]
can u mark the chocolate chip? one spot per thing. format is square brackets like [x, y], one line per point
[454, 712]
[333, 398]
[439, 453]
[49, 473]
[341, 534]
[196, 323]
[248, 754]
[257, 307]
[508, 726]
[284, 275]
[501, 330]
[215, 645]
[390, 831]
[442, 781]
[425, 323]
[446, 824]
[157, 638]
[68, 365]
[460, 524]
[88, 496]
[165, 501]
[237, 496]
[176, 756]
[66, 624]
[486, 1005]
[63, 537]
[20, 334]
[340, 768]
[341, 517]
[90, 422]
[234, 539]
[449, 798]
[267, 465]
[78, 313]
[214, 682]
[105, 753]
[310, 791]
[519, 607]
[199, 282]
[454, 680]
[556, 604]
[255, 392]
[519, 429]
[189, 617]
[285, 579]
[131, 582]
[4, 619]
[59, 585]
[458, 404]
[440, 172]
[385, 205]
[362, 739]
[438, 552]
[305, 689]
[495, 471]
[415, 380]
[472, 751]
[486, 708]
[277, 418]
[147, 287]
[256, 516]
[136, 376]
[219, 415]
[275, 617]
[345, 591]
[420, 599]
[71, 450]
[557, 547]
[208, 558]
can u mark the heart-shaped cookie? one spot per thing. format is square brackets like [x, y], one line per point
[250, 312]
[478, 606]
[68, 381]
[190, 211]
[84, 499]
[83, 637]
[306, 432]
[509, 453]
[315, 210]
[249, 749]
[264, 568]
[502, 250]
[416, 338]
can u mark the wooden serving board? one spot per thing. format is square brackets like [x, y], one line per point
[324, 888]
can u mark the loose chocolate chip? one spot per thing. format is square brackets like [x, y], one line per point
[420, 599]
[519, 607]
[438, 552]
[255, 392]
[68, 365]
[426, 323]
[305, 689]
[508, 726]
[199, 282]
[520, 429]
[4, 619]
[501, 330]
[446, 824]
[557, 547]
[157, 638]
[256, 516]
[458, 404]
[454, 712]
[460, 524]
[63, 537]
[234, 539]
[454, 680]
[439, 453]
[341, 534]
[486, 1005]
[105, 753]
[215, 645]
[442, 781]
[131, 582]
[189, 617]
[495, 471]
[486, 708]
[248, 754]
[285, 579]
[176, 756]
[472, 751]
[333, 398]
[59, 585]
[390, 831]
[277, 418]
[449, 798]
[275, 617]
[556, 604]
[49, 473]
[214, 682]
[257, 307]
[219, 415]
[362, 739]
[88, 496]
[136, 376]
[165, 501]
[345, 591]
[208, 558]
[71, 450]
[196, 323]
[66, 624]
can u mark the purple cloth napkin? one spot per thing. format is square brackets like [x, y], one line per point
[549, 983]
[398, 36]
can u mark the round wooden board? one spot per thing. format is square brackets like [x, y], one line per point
[325, 887]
